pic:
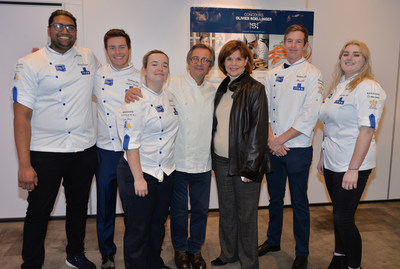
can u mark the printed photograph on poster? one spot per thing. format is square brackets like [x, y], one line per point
[261, 30]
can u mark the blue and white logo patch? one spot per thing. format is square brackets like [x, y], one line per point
[339, 101]
[60, 67]
[109, 81]
[159, 108]
[85, 71]
[298, 87]
[279, 78]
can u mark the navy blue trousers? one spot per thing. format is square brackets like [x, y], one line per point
[197, 186]
[294, 166]
[144, 218]
[75, 171]
[106, 183]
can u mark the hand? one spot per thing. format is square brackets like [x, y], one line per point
[320, 166]
[350, 179]
[277, 148]
[27, 178]
[281, 152]
[247, 180]
[132, 95]
[141, 187]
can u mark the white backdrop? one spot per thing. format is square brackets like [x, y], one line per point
[165, 25]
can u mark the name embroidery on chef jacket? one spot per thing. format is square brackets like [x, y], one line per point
[108, 81]
[279, 78]
[60, 68]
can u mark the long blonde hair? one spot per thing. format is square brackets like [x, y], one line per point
[365, 72]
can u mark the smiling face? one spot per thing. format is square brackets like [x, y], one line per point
[118, 52]
[294, 46]
[156, 71]
[352, 60]
[199, 70]
[235, 64]
[62, 41]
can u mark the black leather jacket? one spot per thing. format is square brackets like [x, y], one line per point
[248, 128]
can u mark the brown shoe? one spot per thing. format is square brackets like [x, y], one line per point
[197, 261]
[182, 260]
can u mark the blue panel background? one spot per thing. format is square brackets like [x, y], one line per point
[227, 20]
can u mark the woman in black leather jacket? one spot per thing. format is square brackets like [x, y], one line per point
[240, 154]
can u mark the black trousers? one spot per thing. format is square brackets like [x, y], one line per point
[75, 171]
[345, 202]
[144, 218]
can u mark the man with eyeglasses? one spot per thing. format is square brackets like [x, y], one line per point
[55, 137]
[194, 99]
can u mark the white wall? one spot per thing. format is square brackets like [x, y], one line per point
[165, 25]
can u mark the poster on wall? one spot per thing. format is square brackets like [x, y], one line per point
[261, 30]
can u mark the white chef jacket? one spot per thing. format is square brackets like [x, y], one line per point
[294, 98]
[195, 105]
[343, 113]
[58, 88]
[110, 88]
[261, 51]
[150, 125]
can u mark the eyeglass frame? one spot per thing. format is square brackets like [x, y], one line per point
[59, 27]
[203, 60]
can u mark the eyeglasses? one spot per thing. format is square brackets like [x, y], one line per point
[60, 27]
[203, 60]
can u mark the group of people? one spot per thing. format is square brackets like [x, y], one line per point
[158, 148]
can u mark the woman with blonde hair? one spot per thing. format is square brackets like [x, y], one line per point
[350, 114]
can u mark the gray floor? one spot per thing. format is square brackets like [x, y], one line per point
[377, 222]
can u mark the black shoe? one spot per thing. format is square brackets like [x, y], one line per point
[182, 260]
[300, 262]
[218, 262]
[264, 248]
[338, 262]
[79, 262]
[108, 262]
[197, 261]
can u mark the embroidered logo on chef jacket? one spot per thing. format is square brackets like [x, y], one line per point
[127, 124]
[339, 101]
[109, 81]
[372, 104]
[16, 77]
[60, 67]
[85, 71]
[279, 78]
[160, 109]
[298, 87]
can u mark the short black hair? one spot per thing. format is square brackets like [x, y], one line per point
[60, 12]
[117, 33]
